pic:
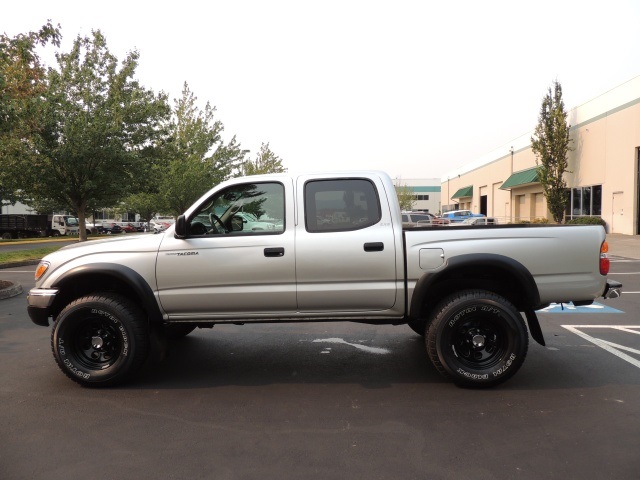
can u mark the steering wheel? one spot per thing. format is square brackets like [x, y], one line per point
[213, 218]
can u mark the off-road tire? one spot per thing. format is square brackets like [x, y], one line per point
[477, 338]
[100, 340]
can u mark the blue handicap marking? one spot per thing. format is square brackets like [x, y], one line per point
[571, 308]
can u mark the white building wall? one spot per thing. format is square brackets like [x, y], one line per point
[18, 208]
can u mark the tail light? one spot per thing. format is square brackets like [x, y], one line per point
[604, 259]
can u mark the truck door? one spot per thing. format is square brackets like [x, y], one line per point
[228, 266]
[345, 246]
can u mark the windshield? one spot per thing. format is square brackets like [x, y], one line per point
[71, 221]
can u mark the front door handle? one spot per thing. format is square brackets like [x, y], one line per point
[374, 247]
[274, 252]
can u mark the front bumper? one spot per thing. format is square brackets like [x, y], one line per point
[612, 290]
[39, 305]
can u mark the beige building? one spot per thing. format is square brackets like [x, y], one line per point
[603, 173]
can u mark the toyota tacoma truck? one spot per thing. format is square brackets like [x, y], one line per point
[330, 247]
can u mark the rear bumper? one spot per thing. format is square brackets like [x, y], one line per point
[612, 290]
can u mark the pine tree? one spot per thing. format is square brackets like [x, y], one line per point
[550, 144]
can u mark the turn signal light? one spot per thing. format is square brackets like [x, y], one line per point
[604, 259]
[42, 267]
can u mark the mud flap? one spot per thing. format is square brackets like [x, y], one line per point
[534, 326]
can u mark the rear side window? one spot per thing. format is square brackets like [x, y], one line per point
[341, 205]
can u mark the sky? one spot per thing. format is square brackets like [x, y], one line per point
[414, 88]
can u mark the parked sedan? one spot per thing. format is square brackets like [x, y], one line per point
[457, 216]
[128, 228]
[111, 228]
[159, 226]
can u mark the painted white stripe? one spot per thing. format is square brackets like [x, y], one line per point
[380, 351]
[627, 273]
[622, 347]
[604, 344]
[628, 330]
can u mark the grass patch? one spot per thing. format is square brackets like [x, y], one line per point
[26, 255]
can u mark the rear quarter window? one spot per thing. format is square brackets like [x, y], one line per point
[341, 205]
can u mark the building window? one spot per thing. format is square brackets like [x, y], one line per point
[585, 201]
[421, 197]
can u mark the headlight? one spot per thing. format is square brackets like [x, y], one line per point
[42, 268]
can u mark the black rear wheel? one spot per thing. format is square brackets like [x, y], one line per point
[100, 340]
[477, 339]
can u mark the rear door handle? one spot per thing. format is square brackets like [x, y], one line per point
[374, 247]
[274, 252]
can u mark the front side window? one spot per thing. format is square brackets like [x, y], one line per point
[249, 208]
[341, 205]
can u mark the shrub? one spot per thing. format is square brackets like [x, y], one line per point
[587, 221]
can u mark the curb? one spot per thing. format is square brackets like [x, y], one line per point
[11, 291]
[19, 264]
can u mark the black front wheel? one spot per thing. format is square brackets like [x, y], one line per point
[100, 340]
[477, 338]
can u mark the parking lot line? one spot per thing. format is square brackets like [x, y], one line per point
[609, 346]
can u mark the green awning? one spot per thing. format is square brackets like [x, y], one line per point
[464, 192]
[520, 179]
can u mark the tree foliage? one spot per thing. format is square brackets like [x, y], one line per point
[98, 126]
[266, 162]
[146, 204]
[22, 89]
[197, 156]
[551, 144]
[405, 197]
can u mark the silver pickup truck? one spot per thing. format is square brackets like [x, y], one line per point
[315, 247]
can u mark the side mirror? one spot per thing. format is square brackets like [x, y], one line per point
[237, 223]
[180, 230]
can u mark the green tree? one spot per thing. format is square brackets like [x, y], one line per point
[266, 162]
[145, 204]
[406, 198]
[550, 144]
[22, 89]
[197, 157]
[99, 125]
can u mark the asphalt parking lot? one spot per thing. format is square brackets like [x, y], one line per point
[330, 401]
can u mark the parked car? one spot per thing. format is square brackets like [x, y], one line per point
[159, 226]
[128, 228]
[456, 216]
[111, 228]
[473, 297]
[421, 219]
[480, 221]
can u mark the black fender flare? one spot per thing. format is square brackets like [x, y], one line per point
[516, 271]
[127, 275]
